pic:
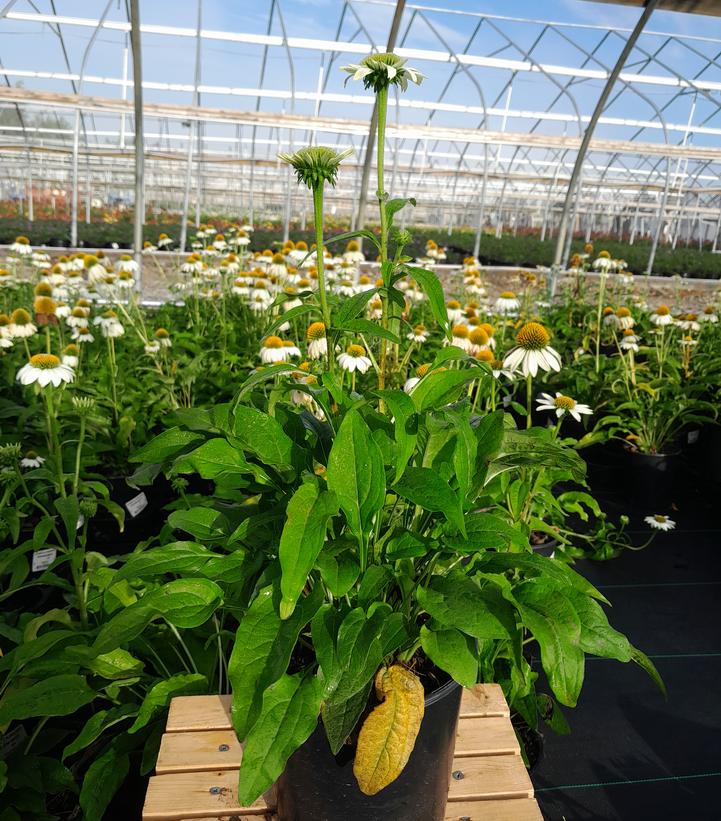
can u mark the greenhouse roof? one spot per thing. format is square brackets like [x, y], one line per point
[491, 134]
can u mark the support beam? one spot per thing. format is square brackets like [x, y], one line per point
[590, 128]
[139, 144]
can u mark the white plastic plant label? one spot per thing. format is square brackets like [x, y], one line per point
[693, 436]
[137, 504]
[42, 559]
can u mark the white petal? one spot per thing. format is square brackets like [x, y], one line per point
[531, 362]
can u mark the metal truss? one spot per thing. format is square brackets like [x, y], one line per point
[515, 112]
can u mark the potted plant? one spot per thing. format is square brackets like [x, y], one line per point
[380, 574]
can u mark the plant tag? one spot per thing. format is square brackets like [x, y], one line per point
[507, 401]
[12, 740]
[693, 437]
[137, 504]
[81, 522]
[42, 559]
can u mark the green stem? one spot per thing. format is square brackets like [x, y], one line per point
[599, 312]
[529, 399]
[382, 104]
[320, 266]
[78, 453]
[54, 439]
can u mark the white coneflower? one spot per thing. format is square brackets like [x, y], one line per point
[475, 287]
[603, 262]
[419, 334]
[610, 318]
[273, 350]
[661, 316]
[412, 381]
[32, 460]
[345, 288]
[507, 303]
[21, 325]
[478, 340]
[5, 338]
[660, 522]
[532, 351]
[688, 322]
[629, 341]
[7, 278]
[21, 247]
[62, 310]
[709, 315]
[277, 267]
[162, 337]
[490, 331]
[41, 261]
[164, 241]
[375, 309]
[460, 338]
[125, 281]
[152, 348]
[127, 263]
[454, 311]
[317, 342]
[110, 325]
[78, 317]
[353, 253]
[71, 355]
[260, 303]
[688, 342]
[241, 287]
[45, 369]
[97, 272]
[561, 405]
[82, 334]
[354, 359]
[219, 243]
[379, 71]
[291, 349]
[624, 318]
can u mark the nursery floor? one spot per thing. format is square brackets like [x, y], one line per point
[631, 754]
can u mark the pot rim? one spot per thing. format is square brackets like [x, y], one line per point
[443, 691]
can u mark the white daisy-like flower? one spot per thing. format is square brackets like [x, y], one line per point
[624, 318]
[709, 315]
[603, 263]
[5, 342]
[21, 247]
[110, 325]
[460, 338]
[317, 342]
[507, 303]
[241, 287]
[345, 288]
[82, 334]
[354, 359]
[78, 317]
[32, 460]
[478, 340]
[260, 303]
[152, 348]
[125, 281]
[7, 279]
[454, 311]
[45, 369]
[475, 287]
[660, 522]
[162, 337]
[532, 351]
[96, 271]
[412, 381]
[381, 70]
[688, 342]
[127, 263]
[661, 316]
[561, 405]
[629, 341]
[688, 322]
[21, 325]
[164, 241]
[62, 311]
[609, 318]
[419, 334]
[273, 350]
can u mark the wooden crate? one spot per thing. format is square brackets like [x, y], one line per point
[197, 769]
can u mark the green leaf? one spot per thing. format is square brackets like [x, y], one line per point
[341, 718]
[484, 531]
[165, 445]
[262, 649]
[96, 725]
[395, 205]
[158, 697]
[350, 308]
[431, 287]
[355, 474]
[425, 488]
[459, 602]
[453, 652]
[358, 654]
[187, 559]
[440, 388]
[116, 664]
[103, 779]
[307, 515]
[216, 457]
[365, 233]
[56, 616]
[464, 453]
[597, 635]
[338, 567]
[203, 523]
[405, 426]
[370, 329]
[552, 620]
[289, 715]
[645, 662]
[54, 696]
[374, 582]
[263, 436]
[291, 315]
[69, 509]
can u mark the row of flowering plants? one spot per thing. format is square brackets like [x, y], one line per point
[360, 463]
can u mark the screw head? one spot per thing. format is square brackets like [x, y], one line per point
[214, 790]
[465, 818]
[223, 748]
[458, 775]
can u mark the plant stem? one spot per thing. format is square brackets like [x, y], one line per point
[529, 399]
[78, 453]
[53, 439]
[599, 312]
[382, 104]
[319, 263]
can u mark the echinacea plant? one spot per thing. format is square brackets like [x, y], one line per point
[370, 529]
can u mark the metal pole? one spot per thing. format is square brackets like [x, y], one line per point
[139, 144]
[186, 191]
[370, 144]
[588, 133]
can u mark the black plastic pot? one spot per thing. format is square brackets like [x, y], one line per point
[318, 786]
[547, 548]
[651, 479]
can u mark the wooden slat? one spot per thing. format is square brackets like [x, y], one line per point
[189, 713]
[486, 736]
[491, 776]
[195, 751]
[516, 809]
[188, 795]
[484, 700]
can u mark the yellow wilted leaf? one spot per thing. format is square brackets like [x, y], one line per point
[389, 733]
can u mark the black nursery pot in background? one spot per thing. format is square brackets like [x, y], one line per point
[318, 786]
